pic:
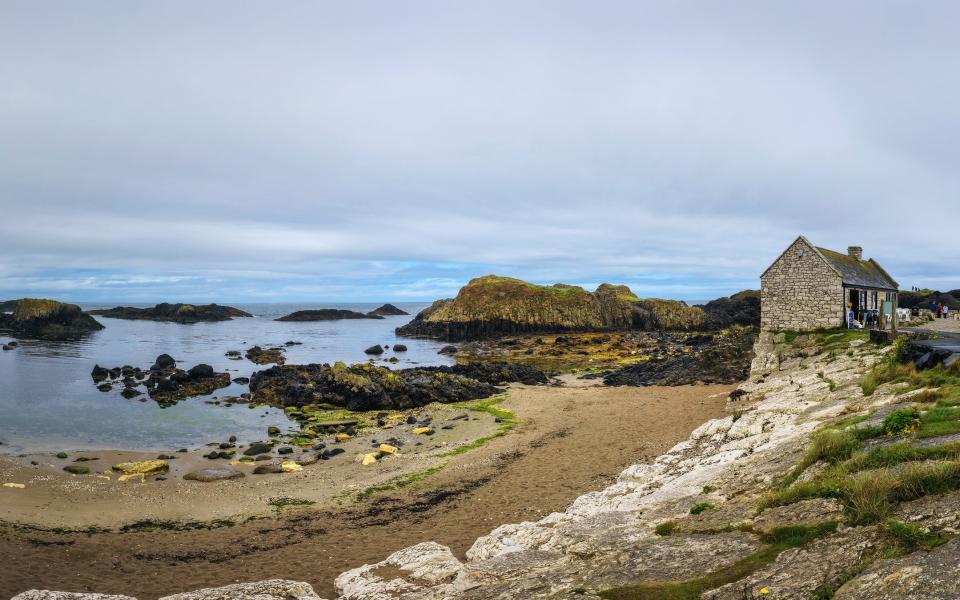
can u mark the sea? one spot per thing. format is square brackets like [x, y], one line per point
[48, 401]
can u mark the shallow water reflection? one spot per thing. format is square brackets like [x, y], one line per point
[48, 400]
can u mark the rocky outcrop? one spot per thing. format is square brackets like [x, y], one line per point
[742, 309]
[494, 306]
[175, 313]
[271, 589]
[261, 356]
[327, 314]
[715, 518]
[165, 383]
[387, 310]
[640, 533]
[723, 357]
[46, 319]
[362, 386]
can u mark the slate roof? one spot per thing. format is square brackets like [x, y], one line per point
[859, 273]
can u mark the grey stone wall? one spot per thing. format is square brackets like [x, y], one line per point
[801, 293]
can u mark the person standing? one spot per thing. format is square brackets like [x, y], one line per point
[939, 309]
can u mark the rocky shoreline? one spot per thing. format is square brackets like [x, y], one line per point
[738, 510]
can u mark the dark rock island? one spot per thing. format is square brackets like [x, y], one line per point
[175, 313]
[388, 310]
[46, 319]
[335, 314]
[327, 314]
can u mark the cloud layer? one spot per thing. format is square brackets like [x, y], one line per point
[383, 150]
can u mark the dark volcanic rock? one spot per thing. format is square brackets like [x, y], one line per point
[721, 358]
[99, 373]
[201, 371]
[177, 313]
[740, 309]
[378, 349]
[266, 356]
[241, 380]
[494, 373]
[164, 361]
[256, 449]
[387, 310]
[130, 392]
[363, 386]
[399, 348]
[447, 350]
[47, 319]
[326, 314]
[180, 385]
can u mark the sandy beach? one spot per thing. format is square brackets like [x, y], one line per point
[86, 533]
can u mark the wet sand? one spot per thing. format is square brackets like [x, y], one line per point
[570, 440]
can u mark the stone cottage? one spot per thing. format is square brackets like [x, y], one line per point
[810, 288]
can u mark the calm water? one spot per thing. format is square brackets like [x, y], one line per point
[48, 400]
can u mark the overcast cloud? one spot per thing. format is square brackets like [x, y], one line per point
[230, 151]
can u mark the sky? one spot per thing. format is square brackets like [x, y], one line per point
[223, 151]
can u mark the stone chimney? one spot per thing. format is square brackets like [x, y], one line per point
[855, 252]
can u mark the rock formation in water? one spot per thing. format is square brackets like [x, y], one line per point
[163, 381]
[388, 310]
[46, 319]
[370, 387]
[493, 306]
[265, 356]
[176, 313]
[326, 314]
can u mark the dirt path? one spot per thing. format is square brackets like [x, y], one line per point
[571, 440]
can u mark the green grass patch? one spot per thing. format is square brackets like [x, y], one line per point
[283, 502]
[508, 421]
[665, 528]
[700, 507]
[775, 542]
[400, 482]
[910, 537]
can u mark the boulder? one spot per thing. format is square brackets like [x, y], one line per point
[164, 361]
[399, 348]
[256, 449]
[201, 371]
[142, 467]
[268, 469]
[213, 474]
[271, 589]
[377, 349]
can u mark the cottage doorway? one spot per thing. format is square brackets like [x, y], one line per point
[853, 301]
